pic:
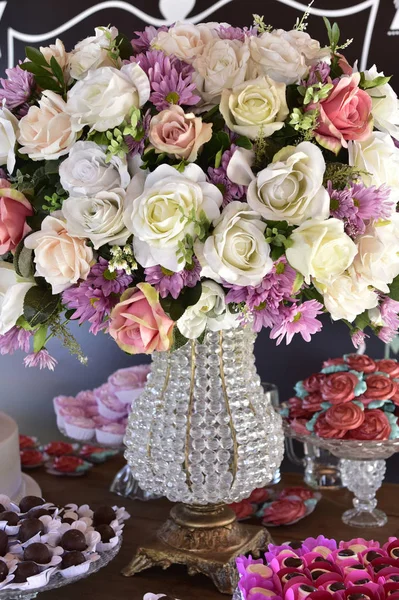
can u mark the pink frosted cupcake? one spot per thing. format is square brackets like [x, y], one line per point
[111, 435]
[87, 398]
[108, 404]
[128, 384]
[79, 428]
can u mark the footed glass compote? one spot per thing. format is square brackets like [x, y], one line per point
[362, 466]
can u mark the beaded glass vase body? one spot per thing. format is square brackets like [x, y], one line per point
[203, 432]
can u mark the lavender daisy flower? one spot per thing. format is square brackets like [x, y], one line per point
[387, 335]
[227, 32]
[318, 74]
[144, 38]
[298, 318]
[218, 176]
[192, 274]
[41, 359]
[114, 282]
[359, 338]
[372, 203]
[15, 339]
[165, 282]
[390, 313]
[136, 146]
[341, 202]
[17, 88]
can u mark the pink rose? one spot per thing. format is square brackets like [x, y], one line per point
[344, 65]
[344, 115]
[14, 208]
[283, 512]
[139, 324]
[180, 134]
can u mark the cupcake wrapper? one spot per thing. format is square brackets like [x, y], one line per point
[79, 433]
[7, 580]
[127, 396]
[8, 505]
[8, 529]
[78, 569]
[107, 546]
[108, 438]
[60, 421]
[34, 582]
[108, 413]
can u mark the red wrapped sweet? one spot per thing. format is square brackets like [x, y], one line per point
[31, 458]
[67, 464]
[284, 511]
[344, 416]
[339, 387]
[59, 448]
[324, 430]
[380, 387]
[374, 427]
[389, 366]
[361, 363]
[298, 491]
[243, 509]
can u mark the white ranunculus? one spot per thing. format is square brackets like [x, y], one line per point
[159, 211]
[307, 46]
[105, 97]
[237, 251]
[291, 187]
[98, 218]
[184, 40]
[255, 107]
[221, 65]
[59, 257]
[9, 130]
[385, 105]
[93, 52]
[346, 298]
[86, 171]
[12, 295]
[377, 261]
[210, 312]
[274, 55]
[321, 250]
[378, 159]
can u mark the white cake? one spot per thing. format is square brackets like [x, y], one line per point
[11, 480]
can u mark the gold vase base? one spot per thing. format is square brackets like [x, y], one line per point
[206, 540]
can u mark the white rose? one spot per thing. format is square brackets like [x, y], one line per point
[60, 258]
[221, 65]
[291, 187]
[93, 52]
[255, 107]
[105, 97]
[86, 171]
[321, 250]
[378, 159]
[237, 251]
[9, 130]
[307, 46]
[210, 312]
[385, 105]
[46, 131]
[377, 261]
[184, 40]
[274, 55]
[12, 295]
[98, 218]
[160, 208]
[57, 51]
[346, 298]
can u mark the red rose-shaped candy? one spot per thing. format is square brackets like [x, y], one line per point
[374, 427]
[324, 430]
[380, 387]
[283, 511]
[299, 492]
[339, 387]
[312, 402]
[388, 365]
[26, 442]
[59, 448]
[296, 409]
[67, 464]
[259, 495]
[312, 383]
[344, 416]
[242, 509]
[31, 458]
[361, 362]
[331, 362]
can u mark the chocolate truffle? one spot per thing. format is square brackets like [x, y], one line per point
[295, 545]
[11, 517]
[307, 588]
[24, 570]
[372, 555]
[2, 508]
[104, 515]
[3, 543]
[72, 559]
[37, 552]
[289, 576]
[29, 528]
[38, 512]
[337, 585]
[318, 573]
[106, 532]
[362, 581]
[293, 561]
[30, 502]
[3, 570]
[73, 540]
[346, 553]
[378, 568]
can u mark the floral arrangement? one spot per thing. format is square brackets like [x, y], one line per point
[351, 398]
[196, 177]
[321, 569]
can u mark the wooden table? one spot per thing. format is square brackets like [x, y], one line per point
[108, 584]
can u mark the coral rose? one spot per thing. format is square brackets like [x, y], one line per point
[312, 402]
[14, 208]
[312, 383]
[360, 362]
[344, 416]
[139, 324]
[324, 430]
[339, 387]
[283, 512]
[344, 115]
[380, 387]
[389, 366]
[375, 426]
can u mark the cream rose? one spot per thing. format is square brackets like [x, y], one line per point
[291, 187]
[255, 107]
[377, 261]
[12, 295]
[274, 55]
[237, 251]
[321, 250]
[184, 40]
[93, 52]
[346, 298]
[385, 104]
[221, 65]
[57, 51]
[98, 218]
[105, 97]
[46, 131]
[86, 171]
[210, 312]
[178, 133]
[307, 46]
[59, 257]
[159, 212]
[9, 130]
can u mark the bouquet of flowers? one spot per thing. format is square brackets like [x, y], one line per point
[196, 177]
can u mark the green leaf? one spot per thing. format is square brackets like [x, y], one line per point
[69, 313]
[35, 56]
[244, 142]
[39, 305]
[328, 27]
[335, 34]
[51, 167]
[124, 46]
[39, 338]
[277, 252]
[37, 70]
[48, 83]
[188, 297]
[394, 289]
[179, 340]
[362, 321]
[218, 158]
[368, 84]
[200, 339]
[55, 67]
[23, 261]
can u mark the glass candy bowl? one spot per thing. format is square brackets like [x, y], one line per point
[362, 466]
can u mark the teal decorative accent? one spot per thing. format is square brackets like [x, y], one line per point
[310, 424]
[359, 404]
[381, 404]
[334, 369]
[381, 373]
[284, 412]
[360, 388]
[394, 426]
[325, 405]
[300, 390]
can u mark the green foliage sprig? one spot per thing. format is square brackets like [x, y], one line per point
[48, 75]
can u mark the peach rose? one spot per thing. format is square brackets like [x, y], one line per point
[344, 115]
[380, 387]
[339, 387]
[360, 362]
[344, 416]
[139, 324]
[180, 134]
[375, 426]
[14, 208]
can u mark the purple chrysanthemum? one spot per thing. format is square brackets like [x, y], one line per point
[318, 74]
[227, 32]
[218, 176]
[192, 274]
[144, 38]
[164, 281]
[41, 359]
[298, 318]
[136, 146]
[170, 79]
[17, 89]
[390, 313]
[359, 338]
[15, 339]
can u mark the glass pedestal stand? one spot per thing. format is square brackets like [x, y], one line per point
[125, 485]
